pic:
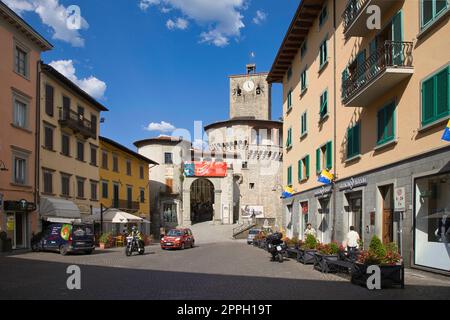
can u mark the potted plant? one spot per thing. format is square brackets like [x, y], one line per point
[105, 241]
[325, 252]
[307, 250]
[386, 257]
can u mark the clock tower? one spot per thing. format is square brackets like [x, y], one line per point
[250, 95]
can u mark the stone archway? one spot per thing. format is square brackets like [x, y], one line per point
[202, 198]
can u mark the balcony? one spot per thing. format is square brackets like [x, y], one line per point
[355, 16]
[77, 123]
[383, 70]
[126, 205]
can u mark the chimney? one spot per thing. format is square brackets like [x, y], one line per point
[251, 68]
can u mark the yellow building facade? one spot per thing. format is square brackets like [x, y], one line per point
[366, 87]
[124, 179]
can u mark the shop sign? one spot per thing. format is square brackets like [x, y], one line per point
[22, 205]
[325, 190]
[353, 183]
[10, 223]
[400, 199]
[205, 169]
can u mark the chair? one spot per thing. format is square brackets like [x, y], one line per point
[120, 242]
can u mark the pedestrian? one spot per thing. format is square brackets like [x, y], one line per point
[310, 231]
[352, 241]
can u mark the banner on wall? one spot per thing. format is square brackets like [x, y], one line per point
[252, 211]
[205, 169]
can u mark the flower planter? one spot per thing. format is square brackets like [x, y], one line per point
[306, 256]
[391, 275]
[321, 261]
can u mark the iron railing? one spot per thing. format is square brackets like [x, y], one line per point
[353, 9]
[76, 122]
[391, 54]
[126, 204]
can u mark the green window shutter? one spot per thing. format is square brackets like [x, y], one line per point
[350, 143]
[329, 155]
[318, 166]
[326, 101]
[300, 171]
[442, 93]
[289, 176]
[390, 120]
[357, 139]
[307, 166]
[380, 126]
[428, 101]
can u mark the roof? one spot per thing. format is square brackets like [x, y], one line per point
[244, 120]
[160, 139]
[24, 27]
[126, 150]
[255, 74]
[302, 22]
[65, 81]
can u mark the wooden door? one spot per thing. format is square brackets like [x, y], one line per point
[388, 226]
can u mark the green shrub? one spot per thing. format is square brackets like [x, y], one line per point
[310, 242]
[105, 238]
[376, 248]
[334, 248]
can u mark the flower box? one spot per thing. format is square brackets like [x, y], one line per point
[306, 256]
[321, 261]
[391, 275]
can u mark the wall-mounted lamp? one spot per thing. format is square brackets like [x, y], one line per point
[3, 166]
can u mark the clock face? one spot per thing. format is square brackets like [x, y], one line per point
[249, 86]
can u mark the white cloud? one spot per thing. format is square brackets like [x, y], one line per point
[161, 127]
[93, 86]
[260, 17]
[223, 19]
[53, 15]
[179, 23]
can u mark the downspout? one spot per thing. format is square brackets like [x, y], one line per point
[37, 139]
[333, 234]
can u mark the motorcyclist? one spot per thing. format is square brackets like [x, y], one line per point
[275, 240]
[135, 233]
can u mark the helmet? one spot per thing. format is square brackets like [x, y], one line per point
[134, 228]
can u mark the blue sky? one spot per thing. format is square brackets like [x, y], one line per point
[162, 60]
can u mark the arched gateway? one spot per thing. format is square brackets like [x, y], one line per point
[202, 201]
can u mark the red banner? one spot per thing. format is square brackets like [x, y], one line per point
[205, 169]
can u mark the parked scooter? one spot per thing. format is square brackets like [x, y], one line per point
[276, 247]
[134, 243]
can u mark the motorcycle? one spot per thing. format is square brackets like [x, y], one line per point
[134, 244]
[277, 248]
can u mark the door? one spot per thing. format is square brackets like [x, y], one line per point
[397, 37]
[116, 196]
[387, 226]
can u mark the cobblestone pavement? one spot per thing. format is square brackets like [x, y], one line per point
[225, 271]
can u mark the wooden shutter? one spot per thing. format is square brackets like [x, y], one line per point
[49, 100]
[329, 155]
[318, 166]
[307, 166]
[300, 170]
[94, 124]
[289, 177]
[356, 139]
[442, 93]
[169, 185]
[350, 143]
[428, 101]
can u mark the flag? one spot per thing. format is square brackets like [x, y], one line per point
[446, 136]
[287, 193]
[326, 177]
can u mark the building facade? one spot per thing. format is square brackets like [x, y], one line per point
[370, 105]
[21, 47]
[124, 179]
[68, 148]
[166, 179]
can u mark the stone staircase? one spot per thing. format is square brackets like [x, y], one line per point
[207, 232]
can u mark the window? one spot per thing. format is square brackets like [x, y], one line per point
[48, 181]
[93, 155]
[289, 100]
[431, 10]
[304, 84]
[289, 73]
[303, 169]
[289, 176]
[65, 185]
[129, 167]
[105, 189]
[94, 124]
[142, 195]
[104, 160]
[303, 49]
[129, 197]
[21, 61]
[323, 105]
[323, 53]
[289, 138]
[141, 172]
[386, 124]
[168, 158]
[66, 108]
[48, 137]
[323, 16]
[304, 126]
[80, 151]
[49, 100]
[20, 170]
[80, 188]
[20, 113]
[435, 97]
[115, 163]
[324, 157]
[251, 186]
[94, 186]
[353, 141]
[81, 112]
[65, 145]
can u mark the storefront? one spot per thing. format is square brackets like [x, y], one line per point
[18, 220]
[432, 221]
[352, 193]
[324, 209]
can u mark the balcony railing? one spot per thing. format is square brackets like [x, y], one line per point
[126, 205]
[393, 54]
[353, 9]
[77, 123]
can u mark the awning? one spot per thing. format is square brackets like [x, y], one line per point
[59, 210]
[116, 216]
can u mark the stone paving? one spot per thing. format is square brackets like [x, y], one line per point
[225, 271]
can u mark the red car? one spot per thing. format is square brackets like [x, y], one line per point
[178, 239]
